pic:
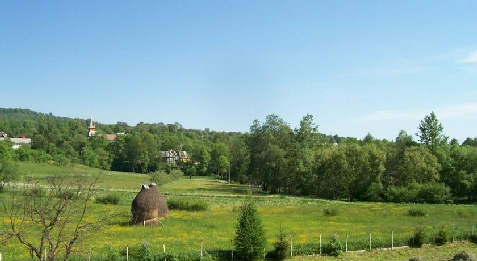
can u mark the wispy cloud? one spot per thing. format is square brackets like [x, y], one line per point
[459, 111]
[471, 58]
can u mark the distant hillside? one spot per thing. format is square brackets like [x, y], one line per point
[25, 122]
[17, 114]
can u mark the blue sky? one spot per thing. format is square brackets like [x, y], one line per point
[357, 66]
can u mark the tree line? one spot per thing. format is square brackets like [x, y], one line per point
[300, 161]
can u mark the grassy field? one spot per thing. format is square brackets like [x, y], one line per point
[304, 220]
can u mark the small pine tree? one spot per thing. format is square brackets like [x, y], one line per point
[442, 237]
[417, 240]
[250, 235]
[281, 245]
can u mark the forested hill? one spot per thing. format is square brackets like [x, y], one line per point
[17, 114]
[286, 160]
[25, 122]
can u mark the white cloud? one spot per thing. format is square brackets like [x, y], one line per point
[471, 58]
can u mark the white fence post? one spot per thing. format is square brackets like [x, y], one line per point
[127, 253]
[346, 242]
[0, 256]
[164, 247]
[291, 246]
[201, 248]
[392, 239]
[370, 241]
[320, 244]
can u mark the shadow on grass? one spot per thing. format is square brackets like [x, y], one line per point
[232, 189]
[221, 254]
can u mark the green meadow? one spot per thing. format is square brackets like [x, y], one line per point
[304, 220]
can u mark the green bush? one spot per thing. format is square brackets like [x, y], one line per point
[442, 237]
[417, 212]
[418, 239]
[112, 255]
[110, 199]
[161, 177]
[334, 247]
[423, 193]
[401, 194]
[331, 212]
[436, 193]
[187, 204]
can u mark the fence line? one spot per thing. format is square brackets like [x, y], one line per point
[359, 242]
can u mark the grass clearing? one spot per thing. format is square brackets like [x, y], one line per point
[303, 220]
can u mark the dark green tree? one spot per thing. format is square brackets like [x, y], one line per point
[249, 238]
[470, 142]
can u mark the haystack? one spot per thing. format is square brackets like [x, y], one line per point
[148, 206]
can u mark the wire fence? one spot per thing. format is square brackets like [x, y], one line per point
[345, 241]
[388, 241]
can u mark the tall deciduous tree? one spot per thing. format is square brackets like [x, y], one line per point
[136, 151]
[306, 142]
[431, 132]
[201, 159]
[239, 159]
[270, 148]
[220, 157]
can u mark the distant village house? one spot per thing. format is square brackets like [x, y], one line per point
[17, 142]
[173, 157]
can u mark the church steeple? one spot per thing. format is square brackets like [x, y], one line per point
[91, 127]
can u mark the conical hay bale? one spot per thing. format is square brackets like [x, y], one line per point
[148, 204]
[163, 210]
